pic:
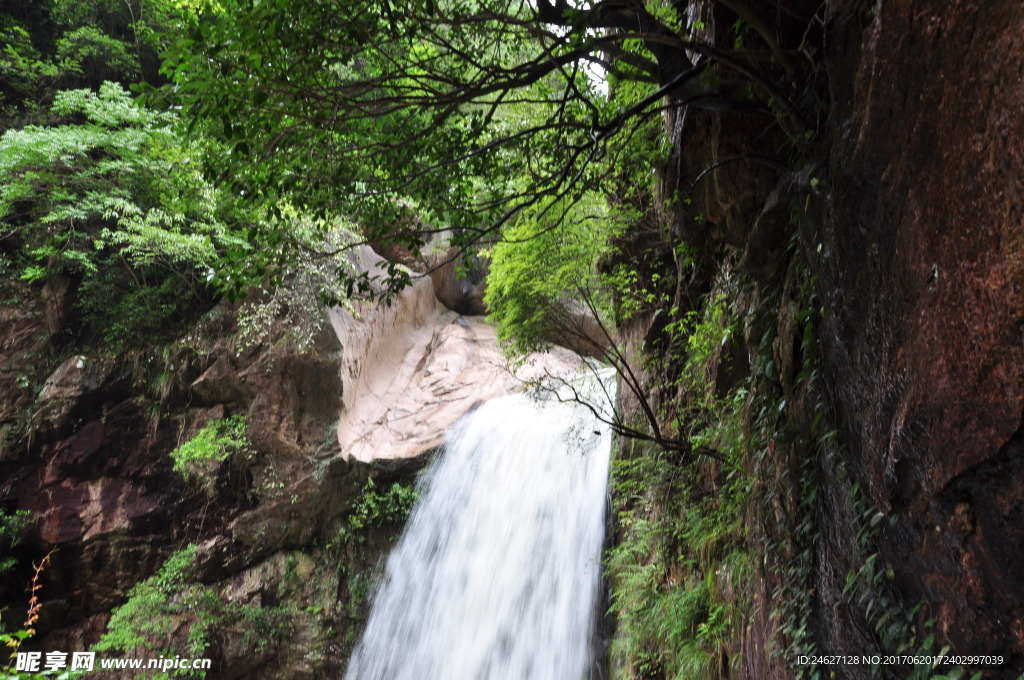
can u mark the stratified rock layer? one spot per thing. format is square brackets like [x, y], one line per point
[410, 373]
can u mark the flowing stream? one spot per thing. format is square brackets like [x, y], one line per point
[497, 575]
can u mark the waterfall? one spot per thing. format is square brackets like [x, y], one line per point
[497, 575]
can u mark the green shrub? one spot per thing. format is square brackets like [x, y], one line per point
[114, 198]
[547, 262]
[144, 621]
[678, 548]
[11, 527]
[216, 442]
[378, 508]
[170, 614]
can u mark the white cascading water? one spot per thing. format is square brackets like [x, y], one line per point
[497, 575]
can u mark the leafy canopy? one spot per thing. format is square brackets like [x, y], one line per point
[54, 45]
[113, 195]
[545, 262]
[473, 111]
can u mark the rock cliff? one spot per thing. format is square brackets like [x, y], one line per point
[920, 268]
[289, 530]
[876, 280]
[411, 369]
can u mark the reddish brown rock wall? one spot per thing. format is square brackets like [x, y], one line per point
[89, 458]
[921, 267]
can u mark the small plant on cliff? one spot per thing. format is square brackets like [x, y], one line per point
[171, 614]
[377, 507]
[143, 621]
[216, 442]
[11, 527]
[14, 640]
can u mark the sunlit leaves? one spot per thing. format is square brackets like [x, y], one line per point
[547, 260]
[114, 188]
[122, 178]
[348, 108]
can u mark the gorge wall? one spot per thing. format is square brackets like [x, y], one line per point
[920, 269]
[875, 276]
[289, 531]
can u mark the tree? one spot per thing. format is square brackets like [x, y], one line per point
[497, 120]
[471, 111]
[55, 45]
[113, 198]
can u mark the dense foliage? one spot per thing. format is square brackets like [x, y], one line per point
[171, 614]
[456, 117]
[488, 122]
[216, 442]
[113, 196]
[54, 45]
[542, 264]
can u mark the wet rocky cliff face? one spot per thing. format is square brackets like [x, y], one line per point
[916, 241]
[883, 262]
[920, 265]
[290, 530]
[269, 523]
